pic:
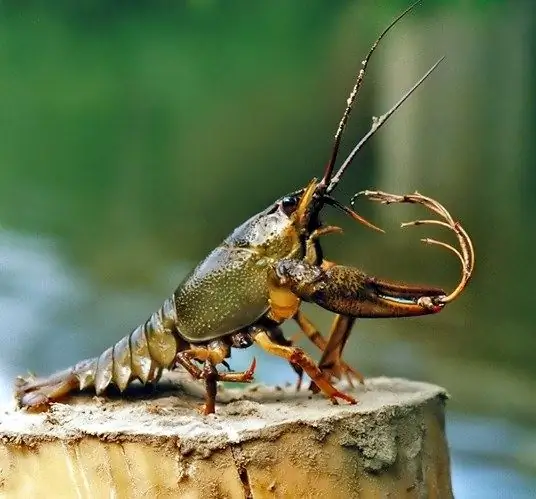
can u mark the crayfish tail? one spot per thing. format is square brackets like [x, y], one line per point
[142, 355]
[36, 394]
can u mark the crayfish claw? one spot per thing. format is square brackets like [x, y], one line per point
[466, 253]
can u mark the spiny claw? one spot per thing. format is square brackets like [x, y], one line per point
[466, 255]
[433, 303]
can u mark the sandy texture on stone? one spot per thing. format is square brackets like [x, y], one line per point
[262, 442]
[172, 411]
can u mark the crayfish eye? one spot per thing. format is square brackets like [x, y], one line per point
[288, 203]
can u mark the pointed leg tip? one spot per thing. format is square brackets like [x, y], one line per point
[250, 373]
[206, 409]
[313, 387]
[252, 367]
[345, 397]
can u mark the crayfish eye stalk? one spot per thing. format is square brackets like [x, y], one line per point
[466, 253]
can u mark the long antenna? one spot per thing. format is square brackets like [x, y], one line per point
[377, 123]
[353, 96]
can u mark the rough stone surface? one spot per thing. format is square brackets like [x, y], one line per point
[262, 442]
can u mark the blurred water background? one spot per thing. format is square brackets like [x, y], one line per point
[134, 137]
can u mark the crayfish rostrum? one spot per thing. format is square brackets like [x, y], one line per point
[255, 280]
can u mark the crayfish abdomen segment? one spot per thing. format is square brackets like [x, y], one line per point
[142, 355]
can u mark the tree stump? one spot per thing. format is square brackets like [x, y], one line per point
[261, 443]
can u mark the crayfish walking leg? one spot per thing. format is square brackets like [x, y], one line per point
[212, 355]
[262, 336]
[329, 364]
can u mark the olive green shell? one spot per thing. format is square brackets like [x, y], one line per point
[228, 290]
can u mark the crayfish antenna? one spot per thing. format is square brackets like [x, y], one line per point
[356, 216]
[353, 96]
[377, 123]
[466, 254]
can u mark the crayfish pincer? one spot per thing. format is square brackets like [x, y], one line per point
[253, 282]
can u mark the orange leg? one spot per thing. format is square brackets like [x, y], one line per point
[331, 363]
[299, 357]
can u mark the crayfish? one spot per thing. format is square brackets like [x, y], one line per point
[253, 282]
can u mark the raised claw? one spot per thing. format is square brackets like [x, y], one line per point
[466, 255]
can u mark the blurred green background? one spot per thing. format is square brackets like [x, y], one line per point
[135, 136]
